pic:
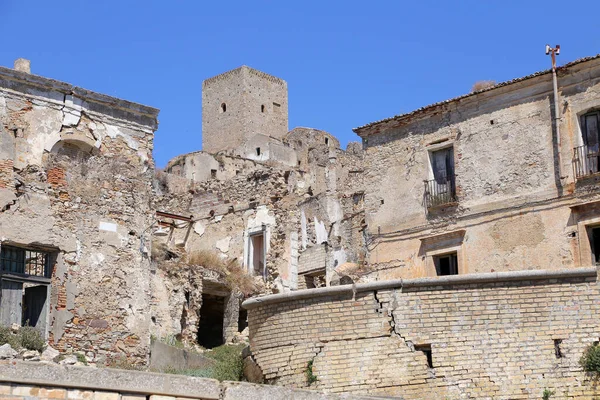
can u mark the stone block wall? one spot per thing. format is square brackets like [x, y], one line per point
[489, 336]
[27, 380]
[312, 259]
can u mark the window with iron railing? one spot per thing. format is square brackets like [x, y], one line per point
[17, 260]
[586, 158]
[441, 189]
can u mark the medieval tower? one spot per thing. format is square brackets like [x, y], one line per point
[240, 104]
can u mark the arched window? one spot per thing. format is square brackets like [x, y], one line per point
[73, 149]
[223, 107]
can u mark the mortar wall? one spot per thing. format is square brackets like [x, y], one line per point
[492, 338]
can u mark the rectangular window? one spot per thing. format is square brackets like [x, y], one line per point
[442, 165]
[441, 189]
[23, 261]
[446, 264]
[595, 242]
[590, 123]
[256, 254]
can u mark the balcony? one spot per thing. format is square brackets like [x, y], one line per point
[440, 194]
[586, 161]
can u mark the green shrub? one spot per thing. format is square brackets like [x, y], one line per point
[6, 336]
[310, 377]
[31, 338]
[590, 361]
[81, 358]
[228, 366]
[547, 394]
[26, 337]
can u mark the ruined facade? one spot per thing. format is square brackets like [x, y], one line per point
[101, 252]
[482, 240]
[285, 206]
[75, 208]
[496, 180]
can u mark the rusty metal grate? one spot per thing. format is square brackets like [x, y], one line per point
[23, 261]
[586, 161]
[440, 193]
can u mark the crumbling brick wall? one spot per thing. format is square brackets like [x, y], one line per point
[75, 174]
[490, 336]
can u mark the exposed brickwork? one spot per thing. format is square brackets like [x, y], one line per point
[488, 340]
[6, 174]
[312, 259]
[57, 177]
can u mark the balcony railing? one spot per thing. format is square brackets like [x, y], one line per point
[586, 161]
[438, 194]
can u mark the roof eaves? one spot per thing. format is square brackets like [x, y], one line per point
[400, 117]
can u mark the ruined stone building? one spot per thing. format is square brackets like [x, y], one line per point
[482, 235]
[102, 253]
[75, 211]
[496, 180]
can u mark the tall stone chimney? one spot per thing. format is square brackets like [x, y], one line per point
[23, 65]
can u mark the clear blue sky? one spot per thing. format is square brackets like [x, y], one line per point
[347, 63]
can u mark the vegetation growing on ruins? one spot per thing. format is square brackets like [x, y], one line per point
[481, 85]
[590, 360]
[547, 394]
[27, 337]
[228, 366]
[310, 376]
[233, 274]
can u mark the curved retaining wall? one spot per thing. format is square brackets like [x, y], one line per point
[498, 335]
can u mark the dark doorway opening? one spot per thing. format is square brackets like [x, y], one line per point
[243, 319]
[210, 327]
[596, 244]
[34, 302]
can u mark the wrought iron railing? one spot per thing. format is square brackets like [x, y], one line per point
[586, 161]
[437, 194]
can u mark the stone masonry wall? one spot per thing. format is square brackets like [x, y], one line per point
[490, 335]
[75, 180]
[508, 172]
[27, 380]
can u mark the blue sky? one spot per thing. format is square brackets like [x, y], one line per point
[347, 63]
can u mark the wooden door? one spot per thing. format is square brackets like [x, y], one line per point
[11, 303]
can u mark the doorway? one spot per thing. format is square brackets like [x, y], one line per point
[210, 326]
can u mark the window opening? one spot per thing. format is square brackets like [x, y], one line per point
[446, 264]
[326, 140]
[590, 124]
[213, 173]
[557, 350]
[262, 108]
[441, 189]
[210, 326]
[426, 349]
[587, 157]
[256, 254]
[595, 239]
[23, 261]
[23, 298]
[223, 107]
[258, 151]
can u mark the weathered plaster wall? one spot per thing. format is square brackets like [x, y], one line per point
[491, 336]
[89, 207]
[508, 183]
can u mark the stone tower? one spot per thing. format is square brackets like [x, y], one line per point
[240, 104]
